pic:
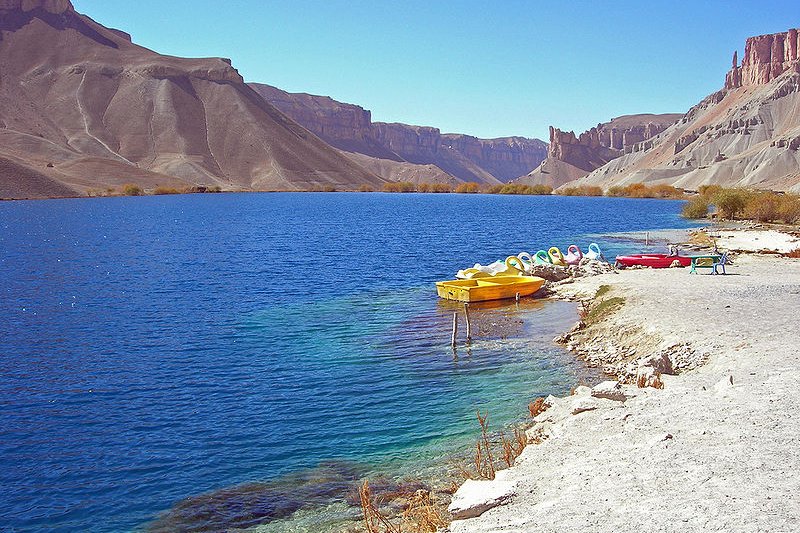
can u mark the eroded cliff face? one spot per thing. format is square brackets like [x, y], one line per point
[570, 157]
[599, 145]
[747, 134]
[765, 58]
[462, 157]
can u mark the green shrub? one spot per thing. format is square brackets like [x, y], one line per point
[730, 203]
[697, 207]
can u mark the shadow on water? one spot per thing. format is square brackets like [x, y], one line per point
[251, 504]
[259, 503]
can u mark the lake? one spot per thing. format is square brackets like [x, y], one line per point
[263, 351]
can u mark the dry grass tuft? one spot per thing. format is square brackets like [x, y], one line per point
[513, 447]
[421, 514]
[795, 254]
[537, 407]
[656, 382]
[484, 462]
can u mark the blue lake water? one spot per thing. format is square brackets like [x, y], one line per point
[159, 348]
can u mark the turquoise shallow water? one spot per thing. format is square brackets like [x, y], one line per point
[156, 349]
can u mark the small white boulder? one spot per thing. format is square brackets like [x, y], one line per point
[475, 497]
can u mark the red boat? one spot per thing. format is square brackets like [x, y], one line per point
[653, 260]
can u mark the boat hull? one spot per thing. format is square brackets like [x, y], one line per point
[653, 260]
[493, 288]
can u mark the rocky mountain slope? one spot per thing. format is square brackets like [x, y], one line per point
[570, 157]
[747, 134]
[400, 151]
[82, 107]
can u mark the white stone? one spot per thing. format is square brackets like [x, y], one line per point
[475, 497]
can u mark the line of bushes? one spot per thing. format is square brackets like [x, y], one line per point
[132, 189]
[641, 190]
[464, 188]
[744, 204]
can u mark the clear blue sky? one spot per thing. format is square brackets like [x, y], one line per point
[484, 68]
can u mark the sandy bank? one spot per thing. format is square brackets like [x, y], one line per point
[715, 450]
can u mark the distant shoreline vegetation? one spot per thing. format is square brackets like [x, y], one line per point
[710, 201]
[743, 204]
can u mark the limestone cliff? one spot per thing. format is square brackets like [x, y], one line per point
[451, 156]
[82, 108]
[570, 157]
[747, 134]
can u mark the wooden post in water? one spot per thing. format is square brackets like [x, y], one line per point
[455, 329]
[647, 238]
[517, 297]
[469, 325]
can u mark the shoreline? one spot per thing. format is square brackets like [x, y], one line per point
[708, 451]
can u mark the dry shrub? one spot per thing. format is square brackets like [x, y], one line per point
[166, 190]
[493, 189]
[440, 187]
[582, 190]
[537, 407]
[518, 188]
[365, 188]
[468, 188]
[423, 187]
[641, 190]
[789, 209]
[763, 207]
[709, 191]
[399, 186]
[794, 254]
[131, 189]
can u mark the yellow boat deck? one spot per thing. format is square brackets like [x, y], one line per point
[488, 288]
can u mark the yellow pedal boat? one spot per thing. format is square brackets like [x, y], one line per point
[490, 288]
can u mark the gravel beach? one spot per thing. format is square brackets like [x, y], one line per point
[716, 449]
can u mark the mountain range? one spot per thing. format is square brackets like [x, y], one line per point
[84, 110]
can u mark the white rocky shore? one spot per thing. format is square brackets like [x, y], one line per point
[717, 449]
